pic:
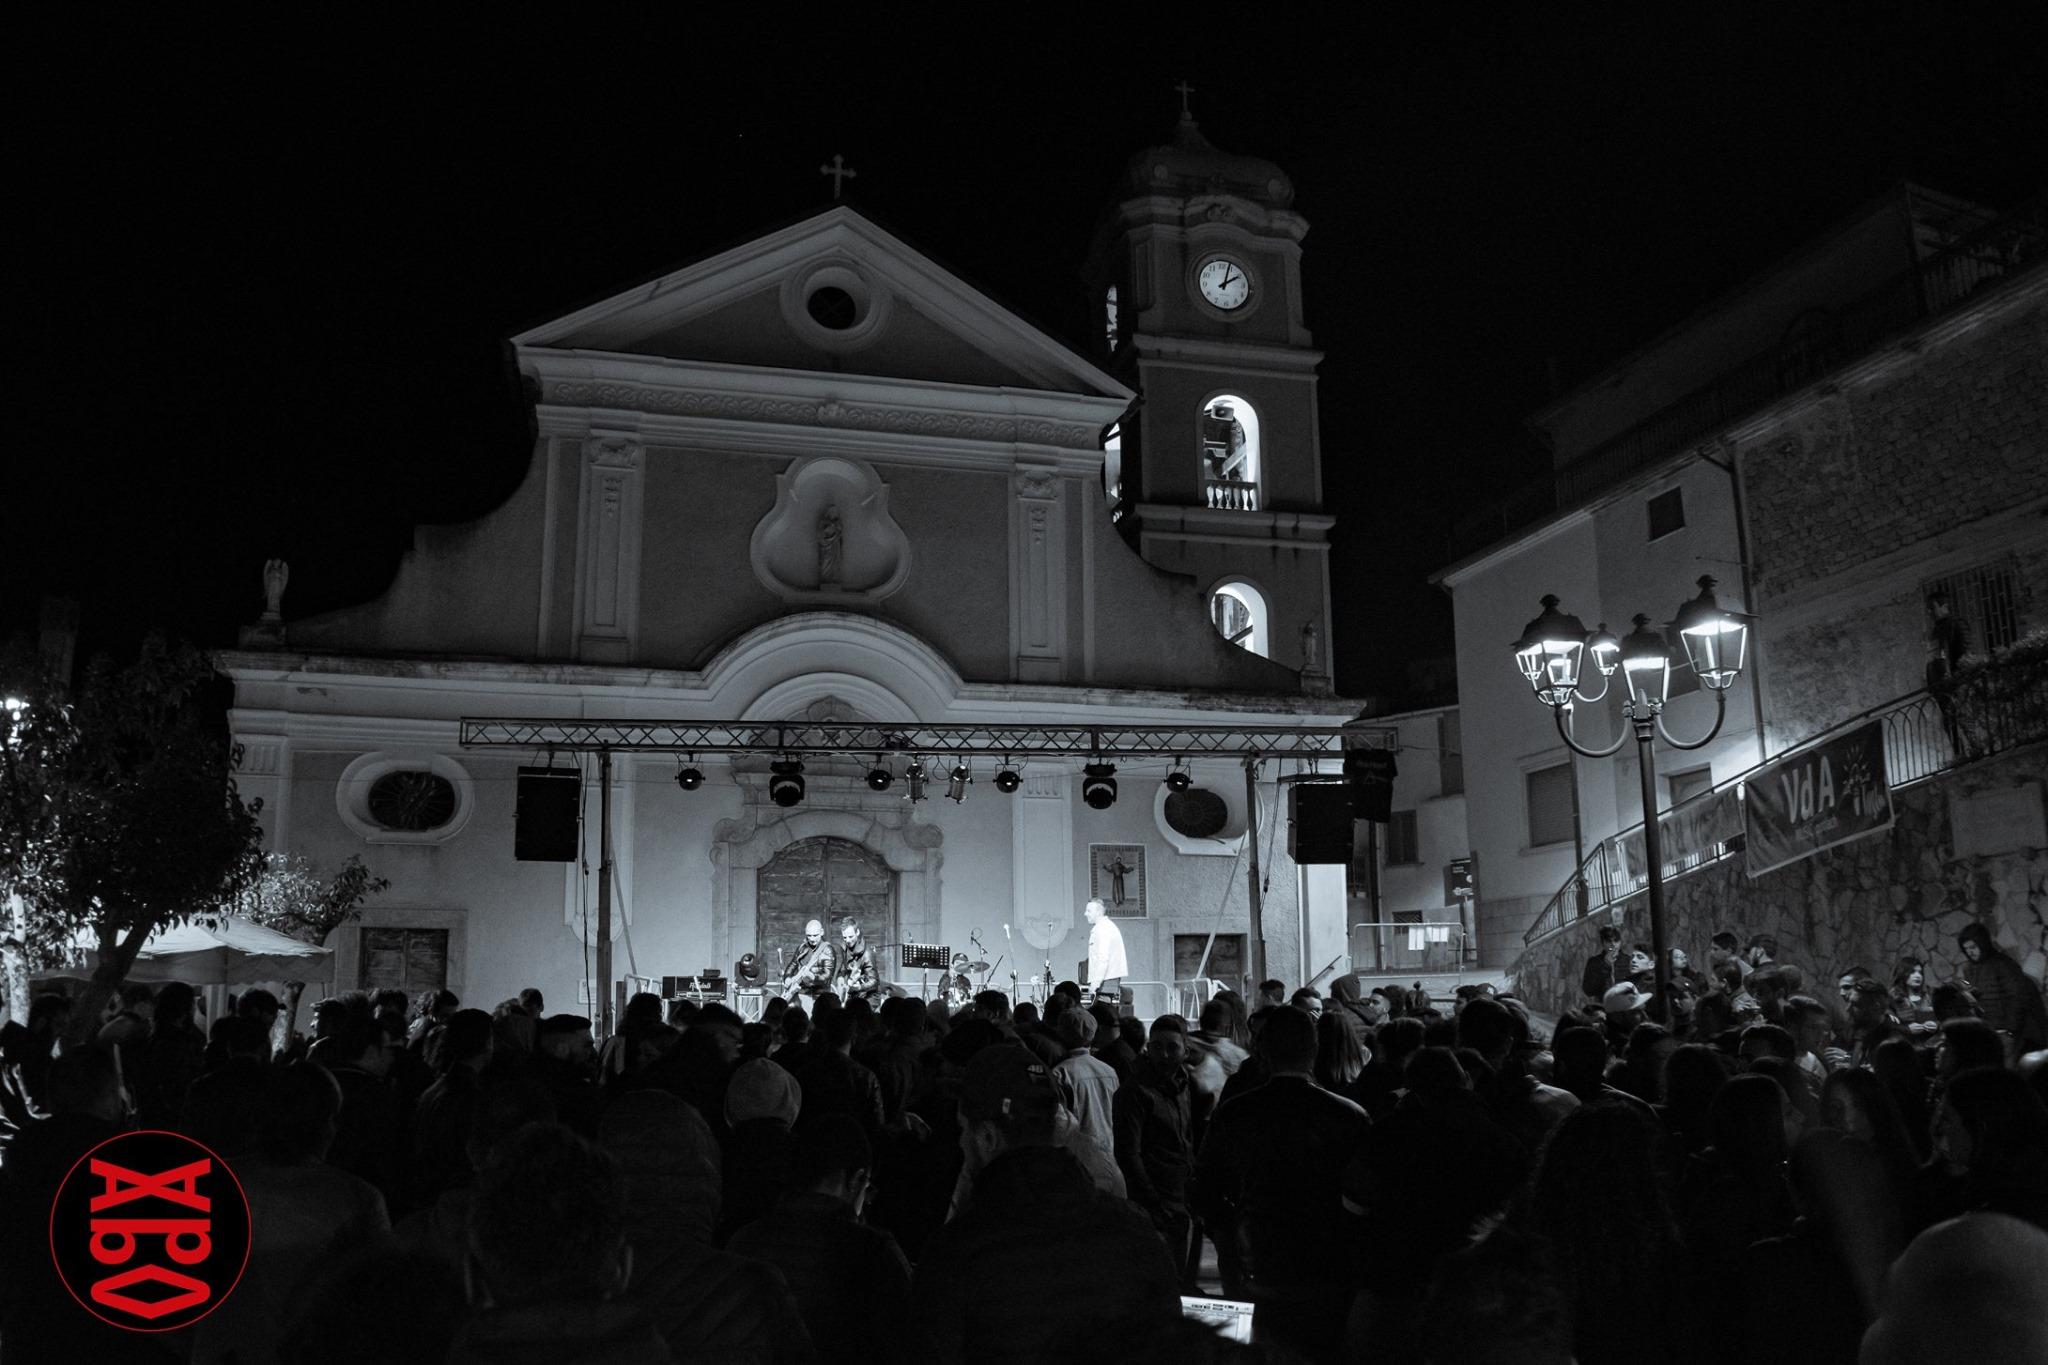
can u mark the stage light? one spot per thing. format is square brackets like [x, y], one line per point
[956, 784]
[913, 781]
[1008, 779]
[786, 787]
[879, 776]
[1098, 785]
[1179, 779]
[688, 777]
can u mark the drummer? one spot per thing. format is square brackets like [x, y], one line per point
[958, 987]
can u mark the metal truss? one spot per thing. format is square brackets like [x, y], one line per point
[860, 737]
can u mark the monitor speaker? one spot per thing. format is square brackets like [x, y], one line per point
[544, 820]
[1319, 823]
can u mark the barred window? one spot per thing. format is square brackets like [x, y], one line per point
[1975, 611]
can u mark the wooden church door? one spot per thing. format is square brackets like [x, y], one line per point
[828, 880]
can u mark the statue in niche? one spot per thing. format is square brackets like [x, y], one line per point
[830, 535]
[1311, 649]
[276, 573]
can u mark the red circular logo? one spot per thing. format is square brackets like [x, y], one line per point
[150, 1231]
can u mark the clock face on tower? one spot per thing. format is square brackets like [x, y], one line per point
[1224, 283]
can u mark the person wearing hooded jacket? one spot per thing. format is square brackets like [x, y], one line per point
[1361, 1013]
[2007, 997]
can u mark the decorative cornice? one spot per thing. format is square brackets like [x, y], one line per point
[834, 413]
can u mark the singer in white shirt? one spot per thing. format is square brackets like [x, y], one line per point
[1107, 965]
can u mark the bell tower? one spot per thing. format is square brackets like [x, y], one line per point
[1216, 473]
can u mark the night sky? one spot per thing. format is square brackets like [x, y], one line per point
[262, 301]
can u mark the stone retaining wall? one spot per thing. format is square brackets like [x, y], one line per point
[1905, 893]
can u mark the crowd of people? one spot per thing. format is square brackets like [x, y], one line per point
[1378, 1172]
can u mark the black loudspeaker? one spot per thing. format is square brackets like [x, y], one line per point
[1319, 823]
[544, 820]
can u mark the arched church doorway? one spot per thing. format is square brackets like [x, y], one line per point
[829, 880]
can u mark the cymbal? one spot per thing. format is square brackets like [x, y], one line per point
[977, 966]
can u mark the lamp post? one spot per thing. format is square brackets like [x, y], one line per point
[1550, 654]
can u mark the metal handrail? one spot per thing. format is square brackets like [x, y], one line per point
[1926, 732]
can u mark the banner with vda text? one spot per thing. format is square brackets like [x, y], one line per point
[1817, 798]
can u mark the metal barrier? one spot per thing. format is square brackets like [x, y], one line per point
[1194, 993]
[1410, 946]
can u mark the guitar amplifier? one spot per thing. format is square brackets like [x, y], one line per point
[697, 988]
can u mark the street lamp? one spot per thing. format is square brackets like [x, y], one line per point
[1550, 654]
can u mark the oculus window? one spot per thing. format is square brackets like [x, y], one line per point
[412, 800]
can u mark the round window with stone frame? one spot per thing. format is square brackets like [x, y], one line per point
[412, 799]
[1196, 813]
[832, 308]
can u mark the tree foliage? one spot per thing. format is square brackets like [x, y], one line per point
[118, 810]
[290, 897]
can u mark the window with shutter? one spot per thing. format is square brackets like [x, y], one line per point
[411, 960]
[1402, 846]
[1549, 792]
[1450, 744]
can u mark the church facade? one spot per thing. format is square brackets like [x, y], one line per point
[819, 477]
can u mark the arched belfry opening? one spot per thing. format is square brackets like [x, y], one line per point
[1230, 454]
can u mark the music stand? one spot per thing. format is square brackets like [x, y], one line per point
[922, 957]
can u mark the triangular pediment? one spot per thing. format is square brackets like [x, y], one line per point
[836, 293]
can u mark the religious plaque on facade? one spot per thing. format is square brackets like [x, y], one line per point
[1116, 877]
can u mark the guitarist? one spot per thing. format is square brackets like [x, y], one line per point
[857, 979]
[810, 972]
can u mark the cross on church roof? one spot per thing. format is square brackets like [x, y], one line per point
[1185, 90]
[839, 171]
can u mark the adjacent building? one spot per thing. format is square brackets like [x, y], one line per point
[1854, 445]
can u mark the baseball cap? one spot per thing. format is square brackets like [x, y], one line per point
[1006, 1081]
[1622, 998]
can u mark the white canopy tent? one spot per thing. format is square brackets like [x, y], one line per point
[220, 950]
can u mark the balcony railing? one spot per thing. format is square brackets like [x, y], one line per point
[1994, 253]
[1231, 495]
[1982, 712]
